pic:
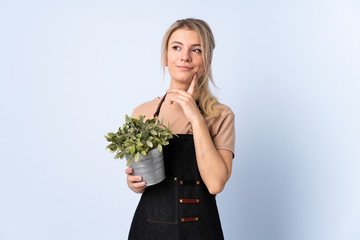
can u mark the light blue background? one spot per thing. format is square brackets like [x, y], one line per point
[71, 70]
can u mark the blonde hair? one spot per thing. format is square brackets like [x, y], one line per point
[207, 101]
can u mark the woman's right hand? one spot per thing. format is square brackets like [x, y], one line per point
[135, 183]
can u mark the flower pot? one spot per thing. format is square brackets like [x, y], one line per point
[151, 167]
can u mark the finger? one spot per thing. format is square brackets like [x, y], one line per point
[193, 85]
[134, 178]
[129, 170]
[138, 186]
[178, 92]
[139, 190]
[182, 99]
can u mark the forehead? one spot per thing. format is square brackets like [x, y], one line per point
[185, 36]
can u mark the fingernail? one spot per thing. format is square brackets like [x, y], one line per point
[143, 183]
[139, 178]
[130, 170]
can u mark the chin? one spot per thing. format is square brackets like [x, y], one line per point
[183, 79]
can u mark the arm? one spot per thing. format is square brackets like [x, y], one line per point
[214, 165]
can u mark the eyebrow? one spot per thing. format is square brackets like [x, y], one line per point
[180, 43]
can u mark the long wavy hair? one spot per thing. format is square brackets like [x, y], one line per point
[207, 101]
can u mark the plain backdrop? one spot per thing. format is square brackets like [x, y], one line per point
[70, 70]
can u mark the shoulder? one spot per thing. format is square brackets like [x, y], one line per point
[224, 109]
[223, 121]
[222, 129]
[147, 109]
[147, 104]
[224, 112]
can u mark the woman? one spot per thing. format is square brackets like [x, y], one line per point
[197, 163]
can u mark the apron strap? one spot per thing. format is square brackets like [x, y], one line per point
[156, 114]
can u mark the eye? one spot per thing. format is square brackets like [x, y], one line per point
[197, 50]
[176, 48]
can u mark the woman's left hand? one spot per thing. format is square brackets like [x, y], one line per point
[186, 100]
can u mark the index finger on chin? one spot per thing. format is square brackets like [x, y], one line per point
[193, 85]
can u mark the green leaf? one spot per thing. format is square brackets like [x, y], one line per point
[137, 156]
[149, 143]
[128, 144]
[129, 161]
[159, 147]
[132, 151]
[128, 150]
[153, 132]
[112, 147]
[117, 155]
[110, 134]
[122, 155]
[127, 118]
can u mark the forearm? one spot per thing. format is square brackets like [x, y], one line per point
[212, 167]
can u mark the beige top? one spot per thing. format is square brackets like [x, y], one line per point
[222, 129]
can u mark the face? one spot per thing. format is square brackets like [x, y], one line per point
[184, 56]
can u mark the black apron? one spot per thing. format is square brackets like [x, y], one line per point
[180, 207]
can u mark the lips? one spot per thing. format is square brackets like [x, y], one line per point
[184, 68]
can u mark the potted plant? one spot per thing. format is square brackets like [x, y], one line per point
[141, 143]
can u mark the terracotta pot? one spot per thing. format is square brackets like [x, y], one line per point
[151, 167]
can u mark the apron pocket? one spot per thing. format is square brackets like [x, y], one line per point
[161, 202]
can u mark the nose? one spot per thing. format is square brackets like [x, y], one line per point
[186, 56]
